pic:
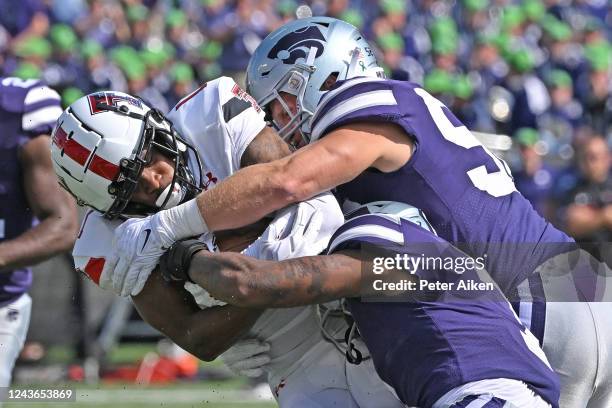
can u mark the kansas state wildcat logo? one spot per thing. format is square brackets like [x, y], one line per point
[297, 45]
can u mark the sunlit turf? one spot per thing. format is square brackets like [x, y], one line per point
[231, 393]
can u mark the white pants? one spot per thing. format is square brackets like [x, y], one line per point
[578, 336]
[14, 322]
[324, 379]
[367, 388]
[514, 393]
[578, 344]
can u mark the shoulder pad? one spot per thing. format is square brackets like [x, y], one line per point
[234, 100]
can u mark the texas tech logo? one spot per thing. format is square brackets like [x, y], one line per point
[297, 45]
[111, 99]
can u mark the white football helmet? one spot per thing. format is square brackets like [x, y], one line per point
[299, 57]
[102, 142]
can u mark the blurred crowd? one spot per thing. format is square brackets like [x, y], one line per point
[538, 71]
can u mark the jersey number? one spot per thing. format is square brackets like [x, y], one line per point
[497, 184]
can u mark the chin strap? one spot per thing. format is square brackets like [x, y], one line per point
[344, 345]
[177, 194]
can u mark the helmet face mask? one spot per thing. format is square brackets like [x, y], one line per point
[168, 143]
[293, 83]
[118, 145]
[299, 58]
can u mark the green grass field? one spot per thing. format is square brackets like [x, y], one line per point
[231, 393]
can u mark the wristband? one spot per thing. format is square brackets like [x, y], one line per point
[181, 222]
[174, 264]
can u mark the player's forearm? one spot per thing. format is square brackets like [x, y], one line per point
[54, 207]
[246, 197]
[205, 333]
[258, 190]
[52, 236]
[208, 338]
[248, 282]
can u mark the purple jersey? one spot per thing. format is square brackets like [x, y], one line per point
[27, 109]
[466, 192]
[425, 349]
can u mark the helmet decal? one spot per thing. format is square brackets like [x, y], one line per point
[297, 44]
[110, 99]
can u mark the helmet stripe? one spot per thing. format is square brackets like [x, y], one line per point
[80, 154]
[104, 168]
[76, 151]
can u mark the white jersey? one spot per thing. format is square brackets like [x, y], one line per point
[305, 370]
[290, 332]
[220, 120]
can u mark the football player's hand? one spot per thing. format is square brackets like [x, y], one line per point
[291, 229]
[302, 229]
[247, 357]
[293, 234]
[137, 246]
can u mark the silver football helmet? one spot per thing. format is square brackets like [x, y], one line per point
[299, 58]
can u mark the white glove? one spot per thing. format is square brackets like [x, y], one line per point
[140, 242]
[247, 357]
[137, 246]
[302, 229]
[291, 233]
